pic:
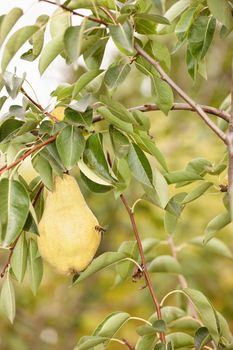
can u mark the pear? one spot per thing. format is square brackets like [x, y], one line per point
[69, 231]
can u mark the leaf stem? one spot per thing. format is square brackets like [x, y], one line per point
[181, 93]
[145, 270]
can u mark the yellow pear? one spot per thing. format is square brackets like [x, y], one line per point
[69, 231]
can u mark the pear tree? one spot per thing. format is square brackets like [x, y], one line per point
[91, 135]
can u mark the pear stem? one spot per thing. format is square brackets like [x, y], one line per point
[144, 266]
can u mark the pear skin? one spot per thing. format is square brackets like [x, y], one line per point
[69, 234]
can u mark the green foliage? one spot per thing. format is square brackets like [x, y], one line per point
[110, 148]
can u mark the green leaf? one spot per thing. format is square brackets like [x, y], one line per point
[140, 166]
[221, 10]
[115, 75]
[184, 324]
[206, 311]
[35, 266]
[101, 262]
[94, 186]
[50, 52]
[19, 258]
[173, 12]
[171, 313]
[125, 268]
[70, 145]
[42, 166]
[202, 337]
[165, 263]
[84, 80]
[111, 118]
[216, 224]
[7, 298]
[89, 342]
[120, 142]
[122, 35]
[152, 17]
[14, 209]
[151, 148]
[163, 93]
[180, 340]
[72, 40]
[118, 110]
[77, 118]
[213, 246]
[197, 192]
[15, 42]
[94, 157]
[111, 324]
[93, 56]
[37, 40]
[59, 22]
[147, 342]
[200, 36]
[8, 22]
[180, 176]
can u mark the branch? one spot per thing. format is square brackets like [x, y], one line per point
[28, 153]
[181, 93]
[51, 116]
[129, 346]
[90, 18]
[181, 278]
[176, 107]
[144, 266]
[230, 152]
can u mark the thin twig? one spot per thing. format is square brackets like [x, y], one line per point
[51, 116]
[28, 153]
[90, 18]
[143, 260]
[181, 278]
[176, 107]
[181, 93]
[229, 136]
[129, 346]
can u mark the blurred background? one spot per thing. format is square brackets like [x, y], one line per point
[58, 316]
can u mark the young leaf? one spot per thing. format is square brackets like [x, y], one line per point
[180, 176]
[8, 22]
[70, 145]
[197, 192]
[7, 298]
[94, 157]
[216, 224]
[59, 22]
[140, 166]
[173, 12]
[19, 258]
[221, 10]
[111, 324]
[72, 40]
[90, 342]
[180, 340]
[84, 80]
[101, 262]
[165, 263]
[120, 142]
[115, 75]
[35, 266]
[163, 94]
[42, 166]
[111, 118]
[14, 209]
[214, 246]
[50, 52]
[122, 35]
[15, 42]
[125, 268]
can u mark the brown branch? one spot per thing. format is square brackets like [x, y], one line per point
[90, 18]
[229, 136]
[143, 260]
[181, 278]
[28, 153]
[181, 93]
[176, 107]
[51, 116]
[129, 346]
